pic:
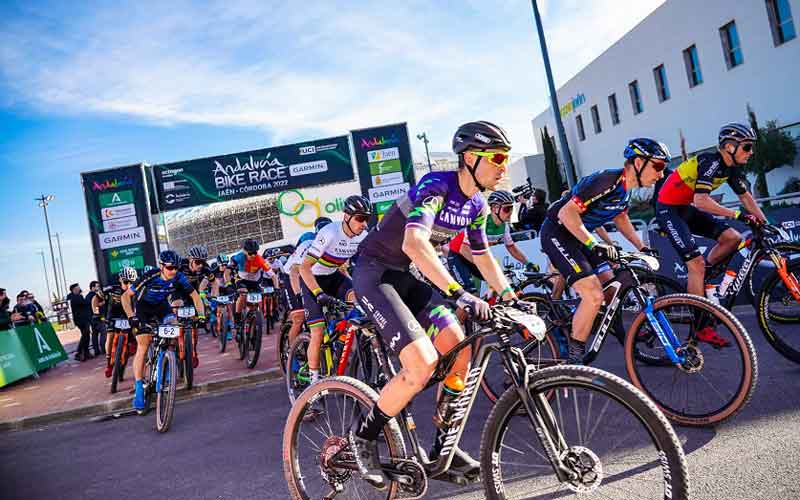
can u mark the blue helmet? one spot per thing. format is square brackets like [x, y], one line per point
[643, 147]
[305, 237]
[169, 257]
[223, 259]
[321, 222]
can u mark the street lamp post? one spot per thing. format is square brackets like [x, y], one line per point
[562, 136]
[43, 202]
[61, 261]
[46, 280]
[424, 138]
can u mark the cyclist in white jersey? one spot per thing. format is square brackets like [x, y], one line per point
[324, 273]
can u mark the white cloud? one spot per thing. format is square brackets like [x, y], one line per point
[297, 73]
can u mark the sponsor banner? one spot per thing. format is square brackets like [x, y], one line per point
[298, 208]
[385, 166]
[118, 212]
[14, 361]
[253, 173]
[118, 224]
[41, 344]
[117, 265]
[116, 199]
[122, 238]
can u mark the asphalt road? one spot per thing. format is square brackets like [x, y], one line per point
[228, 446]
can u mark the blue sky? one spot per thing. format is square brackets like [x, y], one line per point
[98, 85]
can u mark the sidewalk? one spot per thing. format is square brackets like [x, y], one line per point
[73, 388]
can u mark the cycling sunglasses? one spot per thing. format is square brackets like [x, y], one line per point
[202, 262]
[658, 166]
[169, 267]
[496, 158]
[361, 218]
[746, 147]
[507, 208]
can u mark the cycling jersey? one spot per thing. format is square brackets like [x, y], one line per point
[436, 205]
[600, 197]
[700, 174]
[332, 248]
[250, 268]
[153, 289]
[196, 277]
[113, 296]
[495, 233]
[298, 255]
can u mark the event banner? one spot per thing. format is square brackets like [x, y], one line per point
[15, 364]
[385, 166]
[118, 210]
[253, 173]
[42, 345]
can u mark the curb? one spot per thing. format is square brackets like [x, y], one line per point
[109, 407]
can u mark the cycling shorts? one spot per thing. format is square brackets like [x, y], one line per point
[154, 314]
[403, 308]
[680, 222]
[572, 258]
[294, 300]
[335, 285]
[249, 285]
[463, 271]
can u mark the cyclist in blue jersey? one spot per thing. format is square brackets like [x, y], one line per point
[410, 315]
[566, 234]
[153, 293]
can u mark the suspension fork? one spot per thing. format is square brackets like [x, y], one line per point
[789, 279]
[660, 324]
[348, 346]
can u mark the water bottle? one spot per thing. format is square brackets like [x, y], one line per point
[726, 282]
[453, 385]
[711, 293]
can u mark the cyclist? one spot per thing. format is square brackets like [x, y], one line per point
[114, 310]
[323, 271]
[153, 293]
[195, 267]
[685, 207]
[408, 313]
[292, 266]
[498, 229]
[249, 267]
[567, 239]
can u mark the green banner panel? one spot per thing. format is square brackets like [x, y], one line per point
[42, 344]
[115, 199]
[14, 361]
[385, 167]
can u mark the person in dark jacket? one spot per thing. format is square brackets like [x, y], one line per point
[7, 317]
[82, 317]
[96, 301]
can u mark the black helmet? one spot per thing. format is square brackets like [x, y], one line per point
[319, 223]
[647, 148]
[479, 136]
[198, 252]
[223, 259]
[169, 257]
[250, 245]
[357, 204]
[736, 132]
[501, 197]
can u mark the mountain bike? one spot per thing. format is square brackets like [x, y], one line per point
[268, 306]
[222, 322]
[161, 370]
[693, 383]
[251, 330]
[598, 435]
[123, 346]
[187, 343]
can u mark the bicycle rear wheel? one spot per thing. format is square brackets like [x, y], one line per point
[187, 359]
[779, 312]
[307, 443]
[222, 320]
[116, 375]
[615, 440]
[282, 350]
[165, 398]
[713, 383]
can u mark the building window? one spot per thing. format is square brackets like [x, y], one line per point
[780, 20]
[612, 106]
[730, 45]
[662, 88]
[596, 120]
[692, 63]
[581, 132]
[636, 97]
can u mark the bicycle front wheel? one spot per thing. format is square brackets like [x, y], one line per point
[717, 376]
[165, 398]
[119, 368]
[779, 312]
[256, 329]
[282, 350]
[613, 440]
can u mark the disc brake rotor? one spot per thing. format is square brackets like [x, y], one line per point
[586, 466]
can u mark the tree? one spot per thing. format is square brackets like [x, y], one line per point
[555, 183]
[773, 148]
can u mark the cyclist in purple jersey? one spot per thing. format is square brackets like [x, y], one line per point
[409, 314]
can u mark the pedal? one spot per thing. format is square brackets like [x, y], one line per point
[411, 477]
[458, 478]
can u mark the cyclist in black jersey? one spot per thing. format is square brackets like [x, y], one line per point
[153, 293]
[113, 310]
[566, 234]
[200, 275]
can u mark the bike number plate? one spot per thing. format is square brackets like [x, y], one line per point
[186, 312]
[269, 289]
[254, 298]
[122, 324]
[169, 331]
[531, 322]
[223, 300]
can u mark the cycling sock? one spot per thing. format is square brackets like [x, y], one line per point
[577, 350]
[371, 425]
[314, 376]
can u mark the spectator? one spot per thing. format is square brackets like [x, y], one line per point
[532, 211]
[7, 318]
[25, 310]
[82, 317]
[97, 302]
[40, 315]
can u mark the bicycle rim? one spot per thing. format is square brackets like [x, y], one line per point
[779, 313]
[165, 399]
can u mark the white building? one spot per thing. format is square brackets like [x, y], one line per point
[692, 66]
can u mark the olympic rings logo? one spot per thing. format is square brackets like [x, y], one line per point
[293, 204]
